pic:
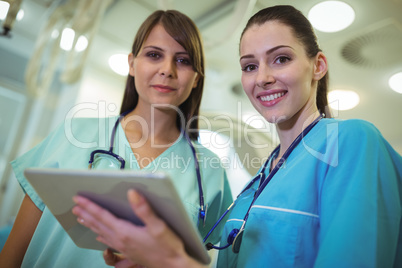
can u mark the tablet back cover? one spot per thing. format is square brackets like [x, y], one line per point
[108, 188]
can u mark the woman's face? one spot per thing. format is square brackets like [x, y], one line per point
[162, 70]
[277, 76]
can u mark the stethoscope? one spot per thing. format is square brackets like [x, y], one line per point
[236, 235]
[202, 211]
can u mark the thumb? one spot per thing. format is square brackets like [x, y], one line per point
[142, 209]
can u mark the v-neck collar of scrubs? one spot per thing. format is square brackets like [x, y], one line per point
[132, 160]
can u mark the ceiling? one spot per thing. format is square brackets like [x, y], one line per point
[361, 57]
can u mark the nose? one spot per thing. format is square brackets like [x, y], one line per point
[265, 76]
[168, 68]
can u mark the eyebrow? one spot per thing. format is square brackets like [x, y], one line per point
[153, 47]
[160, 49]
[250, 56]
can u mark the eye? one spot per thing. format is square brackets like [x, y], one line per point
[282, 59]
[185, 61]
[249, 68]
[154, 55]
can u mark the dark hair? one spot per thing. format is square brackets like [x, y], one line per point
[302, 29]
[182, 29]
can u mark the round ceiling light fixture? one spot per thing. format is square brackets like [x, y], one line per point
[20, 15]
[67, 39]
[343, 99]
[331, 16]
[395, 82]
[119, 64]
[4, 6]
[82, 44]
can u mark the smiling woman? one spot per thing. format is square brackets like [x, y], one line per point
[266, 80]
[158, 124]
[313, 193]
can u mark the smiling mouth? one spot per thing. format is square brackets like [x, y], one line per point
[272, 96]
[162, 88]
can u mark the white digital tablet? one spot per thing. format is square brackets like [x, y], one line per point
[108, 188]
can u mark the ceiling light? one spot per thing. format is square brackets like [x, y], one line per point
[82, 44]
[395, 82]
[343, 99]
[67, 39]
[55, 34]
[20, 15]
[331, 16]
[119, 64]
[4, 6]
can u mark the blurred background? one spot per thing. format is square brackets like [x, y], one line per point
[62, 58]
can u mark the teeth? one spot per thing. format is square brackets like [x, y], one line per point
[272, 96]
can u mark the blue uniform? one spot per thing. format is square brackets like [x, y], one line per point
[69, 147]
[336, 202]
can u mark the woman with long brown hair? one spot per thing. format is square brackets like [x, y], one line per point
[156, 131]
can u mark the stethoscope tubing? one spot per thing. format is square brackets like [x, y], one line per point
[263, 183]
[202, 212]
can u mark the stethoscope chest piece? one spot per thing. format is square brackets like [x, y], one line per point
[237, 242]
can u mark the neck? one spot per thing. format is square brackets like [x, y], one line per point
[152, 122]
[291, 128]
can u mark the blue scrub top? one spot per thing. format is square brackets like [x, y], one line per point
[336, 202]
[70, 145]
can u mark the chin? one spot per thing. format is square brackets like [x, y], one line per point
[274, 118]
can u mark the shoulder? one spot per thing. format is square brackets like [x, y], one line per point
[358, 125]
[77, 123]
[87, 126]
[352, 130]
[80, 133]
[357, 138]
[331, 138]
[348, 123]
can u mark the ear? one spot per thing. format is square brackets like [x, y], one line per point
[196, 80]
[131, 64]
[320, 66]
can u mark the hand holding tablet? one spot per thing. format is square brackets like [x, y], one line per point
[109, 189]
[137, 244]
